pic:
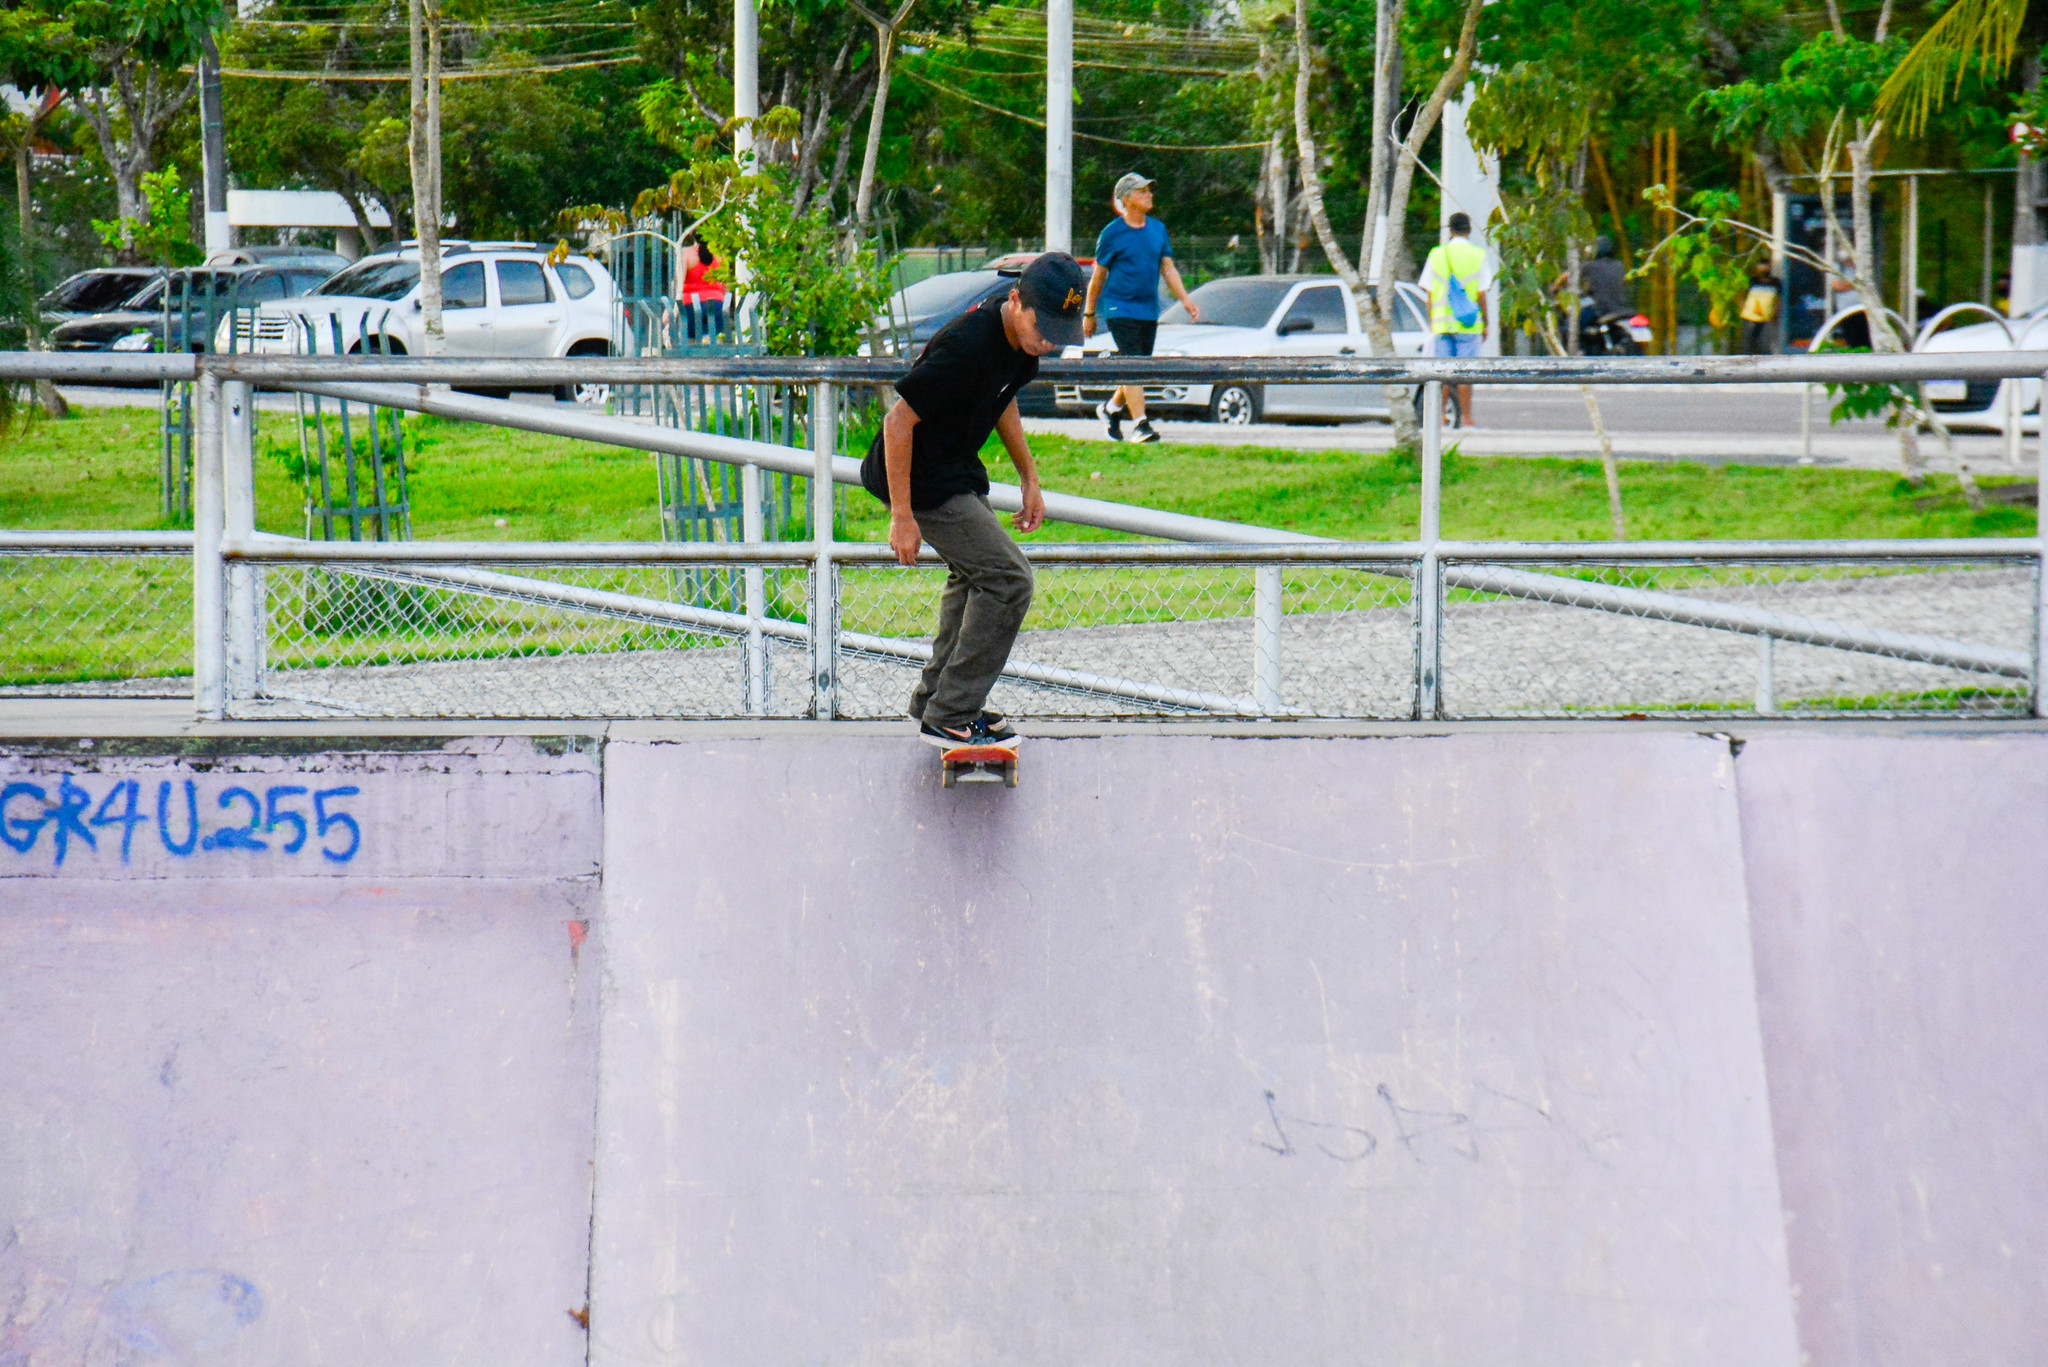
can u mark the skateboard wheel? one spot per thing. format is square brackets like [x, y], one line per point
[1010, 774]
[950, 774]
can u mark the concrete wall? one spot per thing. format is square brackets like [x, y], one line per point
[1505, 1047]
[1900, 892]
[273, 1106]
[1184, 1051]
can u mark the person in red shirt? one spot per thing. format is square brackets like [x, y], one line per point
[703, 298]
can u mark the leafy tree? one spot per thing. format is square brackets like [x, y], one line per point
[133, 55]
[165, 236]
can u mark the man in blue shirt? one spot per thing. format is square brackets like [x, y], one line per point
[1131, 257]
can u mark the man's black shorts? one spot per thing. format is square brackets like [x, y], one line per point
[1134, 336]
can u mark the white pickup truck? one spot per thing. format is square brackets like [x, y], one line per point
[497, 299]
[1265, 315]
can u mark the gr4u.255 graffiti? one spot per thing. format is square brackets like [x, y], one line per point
[288, 818]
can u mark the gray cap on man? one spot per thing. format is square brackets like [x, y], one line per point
[1131, 181]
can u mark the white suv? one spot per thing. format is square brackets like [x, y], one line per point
[497, 299]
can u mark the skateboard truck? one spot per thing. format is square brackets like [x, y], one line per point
[979, 764]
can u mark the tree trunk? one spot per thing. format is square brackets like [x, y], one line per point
[1407, 431]
[1883, 340]
[885, 59]
[46, 393]
[1573, 279]
[426, 167]
[1379, 256]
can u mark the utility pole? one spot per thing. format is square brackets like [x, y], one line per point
[746, 73]
[1059, 125]
[426, 166]
[213, 149]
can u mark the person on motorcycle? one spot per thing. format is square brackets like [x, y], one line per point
[1605, 281]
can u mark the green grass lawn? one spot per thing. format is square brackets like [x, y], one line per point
[99, 470]
[120, 617]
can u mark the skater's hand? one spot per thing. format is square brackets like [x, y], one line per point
[904, 538]
[1031, 516]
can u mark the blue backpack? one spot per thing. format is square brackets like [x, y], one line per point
[1462, 307]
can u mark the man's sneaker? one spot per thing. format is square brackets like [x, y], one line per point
[1143, 431]
[1113, 417]
[979, 732]
[992, 720]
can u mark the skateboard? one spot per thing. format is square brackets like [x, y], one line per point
[978, 764]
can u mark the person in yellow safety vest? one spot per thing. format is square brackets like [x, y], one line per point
[1454, 275]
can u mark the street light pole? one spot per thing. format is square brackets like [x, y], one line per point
[213, 149]
[1059, 125]
[746, 73]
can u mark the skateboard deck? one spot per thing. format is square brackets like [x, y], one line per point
[978, 764]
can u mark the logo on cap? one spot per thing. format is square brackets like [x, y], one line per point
[1073, 298]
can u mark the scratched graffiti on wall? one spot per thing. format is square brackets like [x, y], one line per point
[71, 819]
[183, 1317]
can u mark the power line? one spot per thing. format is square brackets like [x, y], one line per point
[1085, 137]
[470, 74]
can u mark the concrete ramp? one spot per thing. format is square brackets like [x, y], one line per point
[1522, 1047]
[1900, 892]
[1188, 1050]
[298, 1061]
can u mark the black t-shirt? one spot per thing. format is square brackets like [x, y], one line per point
[963, 380]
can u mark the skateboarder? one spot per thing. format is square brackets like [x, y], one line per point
[925, 464]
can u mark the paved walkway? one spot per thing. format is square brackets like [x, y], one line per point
[1715, 424]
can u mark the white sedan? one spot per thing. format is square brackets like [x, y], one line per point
[1980, 405]
[497, 299]
[1266, 315]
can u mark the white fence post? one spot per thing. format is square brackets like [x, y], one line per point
[1428, 573]
[2041, 570]
[1766, 675]
[824, 573]
[754, 581]
[1267, 608]
[209, 625]
[244, 583]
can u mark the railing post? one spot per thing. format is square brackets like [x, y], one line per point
[1806, 423]
[2041, 569]
[1429, 573]
[755, 586]
[824, 573]
[244, 583]
[1766, 675]
[1267, 607]
[209, 627]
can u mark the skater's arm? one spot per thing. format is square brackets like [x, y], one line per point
[1095, 282]
[1172, 274]
[1010, 427]
[903, 533]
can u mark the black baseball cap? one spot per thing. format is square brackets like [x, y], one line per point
[1054, 289]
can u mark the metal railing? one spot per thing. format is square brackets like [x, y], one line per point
[1229, 620]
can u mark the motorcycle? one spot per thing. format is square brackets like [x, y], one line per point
[1613, 334]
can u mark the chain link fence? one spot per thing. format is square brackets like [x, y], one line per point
[96, 623]
[1541, 652]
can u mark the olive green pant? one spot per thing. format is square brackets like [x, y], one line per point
[988, 591]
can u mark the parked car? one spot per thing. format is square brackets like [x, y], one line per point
[918, 311]
[183, 310]
[1979, 405]
[317, 257]
[497, 299]
[95, 291]
[1265, 315]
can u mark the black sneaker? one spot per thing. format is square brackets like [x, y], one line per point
[978, 733]
[992, 720]
[1114, 417]
[1143, 432]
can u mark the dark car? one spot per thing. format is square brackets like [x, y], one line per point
[184, 310]
[95, 291]
[918, 311]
